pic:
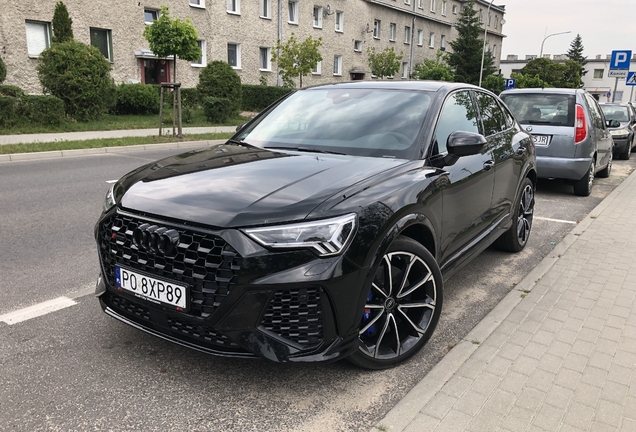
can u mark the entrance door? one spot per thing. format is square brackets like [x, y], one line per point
[156, 71]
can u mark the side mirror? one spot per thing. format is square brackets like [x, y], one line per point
[461, 143]
[613, 123]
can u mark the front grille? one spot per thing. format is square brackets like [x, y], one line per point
[203, 261]
[130, 307]
[295, 315]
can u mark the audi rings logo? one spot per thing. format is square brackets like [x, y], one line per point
[152, 238]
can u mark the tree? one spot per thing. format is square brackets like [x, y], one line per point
[3, 71]
[575, 53]
[62, 24]
[173, 37]
[437, 70]
[385, 63]
[525, 81]
[554, 74]
[219, 80]
[494, 83]
[467, 48]
[297, 59]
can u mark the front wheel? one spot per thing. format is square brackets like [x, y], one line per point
[402, 307]
[518, 234]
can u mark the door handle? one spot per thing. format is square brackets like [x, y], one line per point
[488, 165]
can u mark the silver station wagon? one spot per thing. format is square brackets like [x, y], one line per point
[569, 131]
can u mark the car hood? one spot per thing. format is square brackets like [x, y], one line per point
[233, 185]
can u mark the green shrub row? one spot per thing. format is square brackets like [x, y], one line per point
[137, 99]
[217, 110]
[258, 97]
[38, 110]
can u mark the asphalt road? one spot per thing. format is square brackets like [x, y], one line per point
[77, 369]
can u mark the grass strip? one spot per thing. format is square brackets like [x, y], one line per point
[106, 142]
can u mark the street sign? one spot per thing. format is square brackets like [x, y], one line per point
[631, 79]
[621, 59]
[617, 73]
[609, 95]
[510, 83]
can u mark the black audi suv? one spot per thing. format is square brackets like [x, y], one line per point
[324, 228]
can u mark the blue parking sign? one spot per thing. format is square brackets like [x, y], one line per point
[621, 59]
[510, 83]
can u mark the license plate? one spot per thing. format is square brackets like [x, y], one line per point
[151, 289]
[541, 139]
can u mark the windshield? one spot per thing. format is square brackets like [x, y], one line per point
[613, 112]
[361, 122]
[541, 108]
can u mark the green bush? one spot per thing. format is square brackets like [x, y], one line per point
[8, 111]
[217, 110]
[3, 71]
[44, 110]
[219, 80]
[12, 91]
[190, 98]
[80, 76]
[258, 97]
[137, 99]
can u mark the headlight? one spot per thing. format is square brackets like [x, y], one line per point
[109, 201]
[619, 133]
[325, 237]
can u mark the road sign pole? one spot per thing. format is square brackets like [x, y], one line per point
[615, 87]
[631, 94]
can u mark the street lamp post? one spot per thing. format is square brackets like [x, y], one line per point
[483, 49]
[553, 34]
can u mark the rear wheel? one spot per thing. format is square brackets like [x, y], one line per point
[517, 236]
[402, 308]
[583, 187]
[608, 169]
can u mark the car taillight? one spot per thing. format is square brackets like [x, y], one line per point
[581, 126]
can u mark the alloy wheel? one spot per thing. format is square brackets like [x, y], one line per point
[590, 179]
[526, 212]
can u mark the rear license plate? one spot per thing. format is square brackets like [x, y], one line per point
[151, 289]
[541, 139]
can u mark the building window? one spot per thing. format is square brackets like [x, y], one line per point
[337, 65]
[420, 4]
[317, 16]
[433, 6]
[408, 2]
[405, 69]
[442, 42]
[339, 21]
[444, 7]
[420, 37]
[234, 55]
[496, 22]
[293, 12]
[198, 3]
[357, 46]
[407, 34]
[598, 73]
[481, 16]
[494, 51]
[392, 31]
[489, 18]
[431, 40]
[234, 7]
[454, 9]
[318, 69]
[376, 29]
[150, 15]
[38, 37]
[265, 58]
[618, 96]
[102, 40]
[203, 59]
[266, 8]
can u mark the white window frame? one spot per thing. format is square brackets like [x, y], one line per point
[496, 21]
[444, 2]
[489, 18]
[376, 28]
[109, 41]
[407, 35]
[420, 37]
[602, 72]
[234, 7]
[431, 40]
[454, 9]
[420, 4]
[442, 41]
[392, 31]
[151, 10]
[35, 48]
[494, 51]
[339, 25]
[358, 44]
[292, 9]
[337, 65]
[318, 69]
[481, 16]
[317, 17]
[265, 9]
[405, 70]
[407, 2]
[268, 53]
[433, 6]
[198, 4]
[238, 54]
[204, 56]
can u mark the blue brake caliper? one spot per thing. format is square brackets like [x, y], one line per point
[366, 316]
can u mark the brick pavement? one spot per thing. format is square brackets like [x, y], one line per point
[558, 354]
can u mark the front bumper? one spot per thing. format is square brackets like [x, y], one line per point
[620, 144]
[563, 168]
[281, 306]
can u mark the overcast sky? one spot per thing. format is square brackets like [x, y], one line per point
[604, 25]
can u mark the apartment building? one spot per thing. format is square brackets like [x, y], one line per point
[243, 33]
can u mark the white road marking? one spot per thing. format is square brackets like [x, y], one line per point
[111, 181]
[556, 220]
[37, 310]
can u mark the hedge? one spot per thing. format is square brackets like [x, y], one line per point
[258, 97]
[8, 111]
[217, 110]
[137, 99]
[12, 91]
[43, 110]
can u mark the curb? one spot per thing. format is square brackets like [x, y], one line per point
[104, 150]
[408, 408]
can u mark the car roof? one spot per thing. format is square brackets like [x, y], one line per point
[399, 85]
[543, 90]
[623, 104]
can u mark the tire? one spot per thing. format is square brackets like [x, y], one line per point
[402, 308]
[516, 238]
[583, 187]
[627, 153]
[608, 169]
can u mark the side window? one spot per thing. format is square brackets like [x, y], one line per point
[458, 114]
[595, 112]
[509, 118]
[491, 114]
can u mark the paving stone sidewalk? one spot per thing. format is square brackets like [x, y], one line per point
[558, 353]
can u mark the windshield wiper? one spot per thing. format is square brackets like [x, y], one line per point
[239, 142]
[307, 149]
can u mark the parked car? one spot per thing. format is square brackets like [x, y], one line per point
[623, 131]
[324, 228]
[575, 143]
